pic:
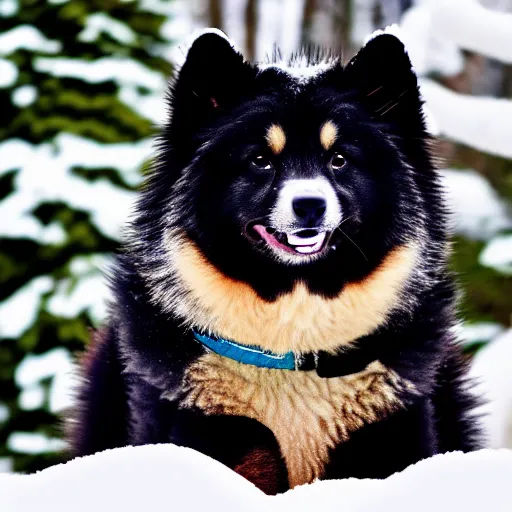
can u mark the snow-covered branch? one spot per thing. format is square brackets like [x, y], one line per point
[473, 27]
[479, 122]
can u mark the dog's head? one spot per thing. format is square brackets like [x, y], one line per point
[293, 164]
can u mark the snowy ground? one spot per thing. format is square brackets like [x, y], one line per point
[433, 46]
[165, 477]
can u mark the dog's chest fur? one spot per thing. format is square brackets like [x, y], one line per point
[209, 300]
[307, 414]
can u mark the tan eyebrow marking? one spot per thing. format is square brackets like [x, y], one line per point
[328, 134]
[276, 138]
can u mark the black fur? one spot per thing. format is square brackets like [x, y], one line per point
[203, 185]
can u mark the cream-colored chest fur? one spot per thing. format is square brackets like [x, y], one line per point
[298, 321]
[307, 414]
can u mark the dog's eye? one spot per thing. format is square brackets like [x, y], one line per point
[261, 163]
[337, 162]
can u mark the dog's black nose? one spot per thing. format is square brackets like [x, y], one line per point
[309, 209]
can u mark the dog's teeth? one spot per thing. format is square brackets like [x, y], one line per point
[305, 250]
[298, 241]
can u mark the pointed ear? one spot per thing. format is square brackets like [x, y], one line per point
[213, 78]
[383, 76]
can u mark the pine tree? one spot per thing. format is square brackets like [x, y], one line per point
[79, 82]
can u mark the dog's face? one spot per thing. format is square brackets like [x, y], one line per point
[292, 165]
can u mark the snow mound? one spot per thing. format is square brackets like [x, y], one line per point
[167, 477]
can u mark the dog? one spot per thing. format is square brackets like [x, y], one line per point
[283, 302]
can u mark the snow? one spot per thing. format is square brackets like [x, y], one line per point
[491, 369]
[150, 106]
[480, 122]
[98, 23]
[470, 333]
[19, 311]
[57, 364]
[158, 7]
[33, 443]
[31, 398]
[27, 37]
[88, 290]
[34, 368]
[477, 210]
[146, 477]
[8, 8]
[473, 27]
[435, 31]
[393, 30]
[46, 176]
[11, 154]
[53, 234]
[428, 51]
[122, 71]
[61, 395]
[300, 69]
[83, 265]
[8, 73]
[24, 96]
[90, 293]
[498, 254]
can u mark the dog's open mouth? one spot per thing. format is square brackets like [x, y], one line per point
[301, 241]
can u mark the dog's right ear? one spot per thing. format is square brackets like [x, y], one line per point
[213, 78]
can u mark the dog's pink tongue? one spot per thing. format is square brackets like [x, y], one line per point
[270, 239]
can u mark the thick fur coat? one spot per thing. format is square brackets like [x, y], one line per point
[293, 207]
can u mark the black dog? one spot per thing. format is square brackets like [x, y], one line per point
[283, 302]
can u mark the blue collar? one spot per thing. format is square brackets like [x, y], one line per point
[256, 356]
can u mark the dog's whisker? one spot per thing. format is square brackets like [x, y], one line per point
[357, 246]
[345, 220]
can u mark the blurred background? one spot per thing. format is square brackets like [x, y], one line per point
[81, 95]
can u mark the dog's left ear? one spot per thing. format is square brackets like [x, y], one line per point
[383, 77]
